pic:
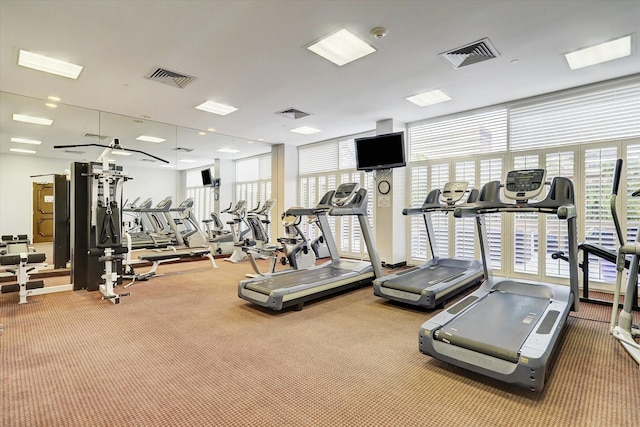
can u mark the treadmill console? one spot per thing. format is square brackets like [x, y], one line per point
[345, 193]
[524, 184]
[453, 192]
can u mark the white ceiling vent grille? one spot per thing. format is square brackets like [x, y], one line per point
[292, 113]
[471, 53]
[170, 78]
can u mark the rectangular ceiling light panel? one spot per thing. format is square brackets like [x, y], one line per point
[603, 52]
[216, 108]
[20, 150]
[26, 141]
[228, 150]
[341, 47]
[32, 120]
[429, 98]
[305, 130]
[121, 153]
[48, 65]
[148, 138]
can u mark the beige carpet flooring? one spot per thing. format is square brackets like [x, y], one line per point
[184, 350]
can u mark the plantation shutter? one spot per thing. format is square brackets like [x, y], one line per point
[632, 213]
[465, 235]
[584, 116]
[478, 133]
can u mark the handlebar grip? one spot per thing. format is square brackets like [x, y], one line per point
[616, 177]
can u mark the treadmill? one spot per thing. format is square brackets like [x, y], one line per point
[438, 280]
[508, 329]
[279, 290]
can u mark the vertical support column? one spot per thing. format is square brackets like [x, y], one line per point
[389, 223]
[284, 184]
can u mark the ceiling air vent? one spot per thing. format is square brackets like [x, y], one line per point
[144, 159]
[292, 113]
[74, 151]
[471, 53]
[183, 149]
[170, 78]
[93, 135]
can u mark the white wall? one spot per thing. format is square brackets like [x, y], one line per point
[15, 187]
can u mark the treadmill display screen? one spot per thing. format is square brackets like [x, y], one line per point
[524, 184]
[345, 192]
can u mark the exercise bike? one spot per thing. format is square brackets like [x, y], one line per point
[298, 251]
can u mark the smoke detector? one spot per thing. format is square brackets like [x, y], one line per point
[471, 53]
[379, 32]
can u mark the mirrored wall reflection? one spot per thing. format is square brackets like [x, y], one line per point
[162, 152]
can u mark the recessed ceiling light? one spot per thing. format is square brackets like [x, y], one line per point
[187, 161]
[51, 105]
[603, 52]
[211, 129]
[164, 165]
[121, 153]
[20, 150]
[249, 142]
[32, 120]
[216, 108]
[341, 47]
[305, 130]
[54, 98]
[48, 65]
[148, 138]
[228, 150]
[26, 141]
[429, 98]
[202, 133]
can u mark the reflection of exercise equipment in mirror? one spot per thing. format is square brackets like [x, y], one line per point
[258, 222]
[222, 241]
[623, 329]
[20, 260]
[96, 226]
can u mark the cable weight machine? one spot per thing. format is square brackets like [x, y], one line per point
[97, 249]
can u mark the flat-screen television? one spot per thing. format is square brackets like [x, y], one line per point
[380, 152]
[207, 179]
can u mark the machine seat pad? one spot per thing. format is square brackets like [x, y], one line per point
[173, 255]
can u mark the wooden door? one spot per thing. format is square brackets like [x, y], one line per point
[42, 212]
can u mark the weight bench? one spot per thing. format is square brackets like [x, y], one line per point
[22, 265]
[157, 259]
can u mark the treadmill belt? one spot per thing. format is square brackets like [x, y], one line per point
[497, 325]
[300, 277]
[420, 279]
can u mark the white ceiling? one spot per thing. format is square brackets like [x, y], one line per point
[252, 55]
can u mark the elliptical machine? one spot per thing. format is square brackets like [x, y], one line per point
[239, 229]
[298, 251]
[319, 244]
